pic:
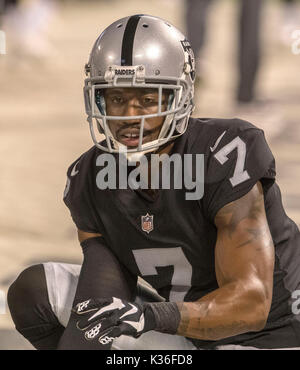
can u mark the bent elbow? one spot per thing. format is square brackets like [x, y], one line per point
[260, 316]
[260, 299]
[259, 324]
[261, 320]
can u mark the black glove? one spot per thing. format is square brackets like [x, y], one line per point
[108, 318]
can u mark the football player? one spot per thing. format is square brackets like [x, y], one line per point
[161, 271]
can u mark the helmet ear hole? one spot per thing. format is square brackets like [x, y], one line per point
[145, 25]
[170, 100]
[100, 101]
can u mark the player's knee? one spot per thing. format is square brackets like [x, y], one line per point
[31, 311]
[27, 293]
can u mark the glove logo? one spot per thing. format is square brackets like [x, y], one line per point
[130, 312]
[139, 325]
[92, 333]
[113, 317]
[106, 339]
[116, 304]
[81, 306]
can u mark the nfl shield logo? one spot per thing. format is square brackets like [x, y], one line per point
[147, 223]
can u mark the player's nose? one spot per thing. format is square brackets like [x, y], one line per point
[133, 108]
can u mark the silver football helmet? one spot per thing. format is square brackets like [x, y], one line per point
[140, 51]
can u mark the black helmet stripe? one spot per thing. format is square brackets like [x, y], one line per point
[128, 39]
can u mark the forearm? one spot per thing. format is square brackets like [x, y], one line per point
[225, 312]
[101, 276]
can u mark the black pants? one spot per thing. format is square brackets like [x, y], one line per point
[248, 36]
[4, 4]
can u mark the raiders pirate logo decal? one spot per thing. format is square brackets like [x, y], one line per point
[190, 58]
[147, 223]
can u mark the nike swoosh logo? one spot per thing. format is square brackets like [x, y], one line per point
[74, 171]
[138, 326]
[133, 310]
[116, 304]
[212, 148]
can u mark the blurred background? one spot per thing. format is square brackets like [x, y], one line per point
[248, 66]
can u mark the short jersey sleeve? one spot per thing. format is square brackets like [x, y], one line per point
[78, 196]
[240, 160]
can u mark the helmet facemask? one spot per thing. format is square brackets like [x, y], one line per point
[175, 114]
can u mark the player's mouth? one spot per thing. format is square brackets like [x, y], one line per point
[130, 137]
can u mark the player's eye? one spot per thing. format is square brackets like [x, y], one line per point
[117, 99]
[149, 100]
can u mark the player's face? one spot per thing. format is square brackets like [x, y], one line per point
[134, 102]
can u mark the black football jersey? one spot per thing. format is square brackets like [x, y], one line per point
[169, 240]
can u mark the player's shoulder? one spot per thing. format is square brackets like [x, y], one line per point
[206, 134]
[79, 191]
[211, 125]
[83, 163]
[80, 175]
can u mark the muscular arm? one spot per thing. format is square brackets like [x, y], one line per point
[244, 262]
